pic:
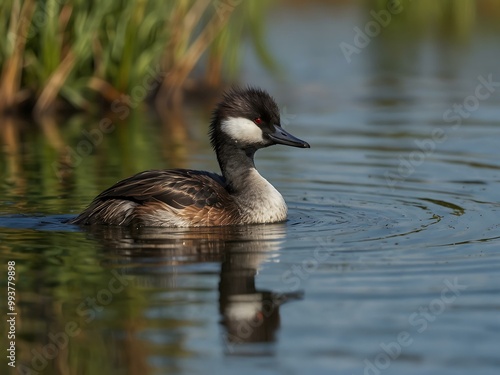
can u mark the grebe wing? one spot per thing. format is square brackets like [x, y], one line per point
[178, 188]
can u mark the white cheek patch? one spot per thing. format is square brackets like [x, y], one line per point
[242, 130]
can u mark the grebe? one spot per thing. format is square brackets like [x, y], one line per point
[244, 121]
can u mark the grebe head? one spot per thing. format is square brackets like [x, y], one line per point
[249, 119]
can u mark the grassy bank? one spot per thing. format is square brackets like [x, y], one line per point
[71, 53]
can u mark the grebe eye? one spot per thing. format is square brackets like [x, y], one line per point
[258, 121]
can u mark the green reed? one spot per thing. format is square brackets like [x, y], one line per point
[75, 51]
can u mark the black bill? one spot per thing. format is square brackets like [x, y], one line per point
[282, 137]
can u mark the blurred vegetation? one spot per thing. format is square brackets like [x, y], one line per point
[72, 52]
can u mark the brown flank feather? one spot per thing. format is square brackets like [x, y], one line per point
[197, 198]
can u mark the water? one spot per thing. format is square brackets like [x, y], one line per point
[389, 262]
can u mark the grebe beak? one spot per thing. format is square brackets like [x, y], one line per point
[282, 137]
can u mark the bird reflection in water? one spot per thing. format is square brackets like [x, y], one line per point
[248, 315]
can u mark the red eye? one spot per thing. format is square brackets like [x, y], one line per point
[258, 121]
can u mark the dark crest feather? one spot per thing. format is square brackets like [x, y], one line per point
[250, 102]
